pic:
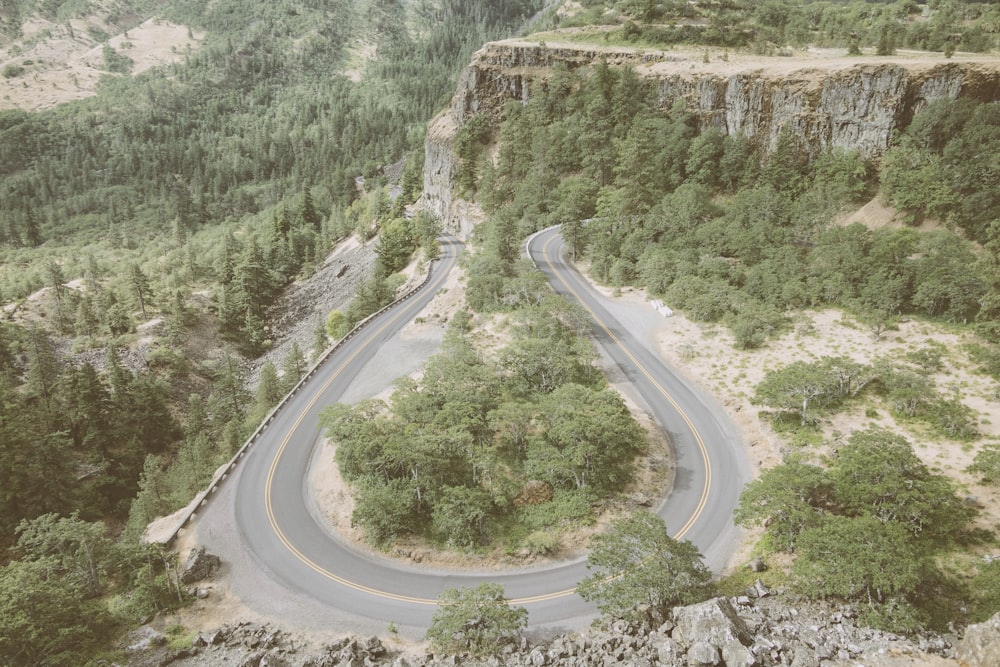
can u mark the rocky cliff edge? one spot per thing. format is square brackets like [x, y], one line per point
[829, 99]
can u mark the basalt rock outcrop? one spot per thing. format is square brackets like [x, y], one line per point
[732, 632]
[828, 101]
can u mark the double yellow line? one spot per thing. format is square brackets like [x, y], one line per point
[707, 486]
[272, 519]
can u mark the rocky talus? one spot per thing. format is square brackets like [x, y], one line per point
[852, 103]
[758, 629]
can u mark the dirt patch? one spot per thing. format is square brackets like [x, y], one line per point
[878, 215]
[705, 354]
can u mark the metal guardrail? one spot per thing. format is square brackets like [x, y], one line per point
[203, 497]
[528, 241]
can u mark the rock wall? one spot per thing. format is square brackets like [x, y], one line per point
[851, 103]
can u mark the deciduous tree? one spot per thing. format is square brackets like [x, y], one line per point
[479, 620]
[639, 570]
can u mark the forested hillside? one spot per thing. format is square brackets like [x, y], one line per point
[144, 233]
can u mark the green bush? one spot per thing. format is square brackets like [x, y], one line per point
[568, 508]
[12, 71]
[540, 543]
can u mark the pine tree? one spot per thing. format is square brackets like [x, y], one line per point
[32, 236]
[293, 367]
[86, 321]
[268, 394]
[140, 287]
[43, 367]
[308, 213]
[320, 340]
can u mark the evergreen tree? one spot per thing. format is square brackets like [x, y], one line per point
[293, 368]
[310, 218]
[139, 284]
[32, 236]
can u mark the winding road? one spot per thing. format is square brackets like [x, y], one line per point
[276, 520]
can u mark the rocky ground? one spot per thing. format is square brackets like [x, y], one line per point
[761, 627]
[305, 304]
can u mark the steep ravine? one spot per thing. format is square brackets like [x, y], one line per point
[827, 98]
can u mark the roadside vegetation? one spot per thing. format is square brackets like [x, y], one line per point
[145, 234]
[729, 237]
[513, 449]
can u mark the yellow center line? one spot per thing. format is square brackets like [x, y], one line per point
[427, 601]
[703, 501]
[274, 465]
[272, 519]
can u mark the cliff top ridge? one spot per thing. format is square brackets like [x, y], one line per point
[546, 49]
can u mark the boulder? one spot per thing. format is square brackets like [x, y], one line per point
[145, 638]
[714, 621]
[199, 565]
[702, 654]
[980, 647]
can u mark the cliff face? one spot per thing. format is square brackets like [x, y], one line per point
[852, 103]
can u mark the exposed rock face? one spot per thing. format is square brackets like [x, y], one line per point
[828, 102]
[981, 645]
[199, 565]
[734, 632]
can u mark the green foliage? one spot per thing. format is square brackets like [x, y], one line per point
[81, 549]
[540, 543]
[461, 514]
[455, 450]
[469, 142]
[879, 26]
[336, 325]
[986, 588]
[478, 620]
[386, 510]
[12, 71]
[858, 558]
[115, 62]
[226, 174]
[46, 619]
[797, 386]
[786, 499]
[590, 439]
[639, 569]
[877, 473]
[647, 185]
[864, 530]
[911, 395]
[987, 464]
[397, 241]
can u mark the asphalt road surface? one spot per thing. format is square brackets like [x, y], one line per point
[279, 531]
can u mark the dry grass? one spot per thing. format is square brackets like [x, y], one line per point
[63, 62]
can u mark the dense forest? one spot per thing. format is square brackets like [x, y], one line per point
[180, 201]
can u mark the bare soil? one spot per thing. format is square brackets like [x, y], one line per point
[64, 61]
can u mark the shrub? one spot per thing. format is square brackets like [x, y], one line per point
[12, 71]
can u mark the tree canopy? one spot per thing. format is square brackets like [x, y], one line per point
[478, 620]
[640, 572]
